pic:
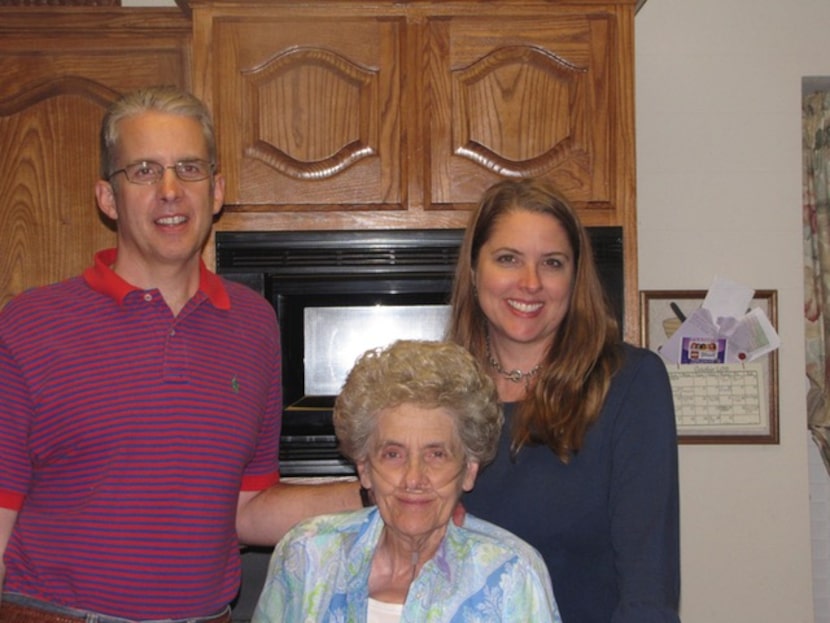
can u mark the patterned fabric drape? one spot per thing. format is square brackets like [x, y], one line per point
[816, 221]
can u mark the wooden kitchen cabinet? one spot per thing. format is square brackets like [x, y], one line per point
[343, 114]
[59, 69]
[308, 108]
[524, 94]
[341, 105]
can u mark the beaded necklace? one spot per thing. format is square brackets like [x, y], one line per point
[517, 376]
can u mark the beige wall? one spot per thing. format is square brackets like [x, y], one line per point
[719, 160]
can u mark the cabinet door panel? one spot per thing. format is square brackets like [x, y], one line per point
[533, 98]
[49, 224]
[58, 72]
[310, 112]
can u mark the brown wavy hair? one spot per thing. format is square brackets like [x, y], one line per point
[570, 389]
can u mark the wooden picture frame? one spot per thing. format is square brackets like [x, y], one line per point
[715, 403]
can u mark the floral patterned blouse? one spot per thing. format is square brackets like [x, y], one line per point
[319, 573]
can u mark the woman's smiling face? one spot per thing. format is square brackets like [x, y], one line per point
[524, 278]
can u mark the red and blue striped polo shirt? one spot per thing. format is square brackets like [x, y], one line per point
[126, 435]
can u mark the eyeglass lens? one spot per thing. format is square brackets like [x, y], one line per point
[149, 172]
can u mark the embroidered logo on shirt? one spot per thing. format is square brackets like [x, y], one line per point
[235, 384]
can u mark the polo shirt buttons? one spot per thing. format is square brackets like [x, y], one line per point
[172, 332]
[148, 297]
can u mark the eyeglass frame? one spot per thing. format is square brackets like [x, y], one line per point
[175, 166]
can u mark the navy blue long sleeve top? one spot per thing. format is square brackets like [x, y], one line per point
[607, 522]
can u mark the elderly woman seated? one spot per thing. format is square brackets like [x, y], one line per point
[418, 419]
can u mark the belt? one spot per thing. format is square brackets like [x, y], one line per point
[19, 613]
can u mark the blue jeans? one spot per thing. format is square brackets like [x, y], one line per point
[94, 617]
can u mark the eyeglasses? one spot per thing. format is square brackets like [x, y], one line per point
[148, 172]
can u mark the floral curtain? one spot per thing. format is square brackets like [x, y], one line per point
[816, 222]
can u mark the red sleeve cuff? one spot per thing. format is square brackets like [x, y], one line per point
[258, 483]
[10, 500]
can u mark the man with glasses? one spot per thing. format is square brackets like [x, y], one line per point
[140, 402]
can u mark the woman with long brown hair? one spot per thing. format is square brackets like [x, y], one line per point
[587, 467]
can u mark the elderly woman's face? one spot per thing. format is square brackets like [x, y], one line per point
[416, 469]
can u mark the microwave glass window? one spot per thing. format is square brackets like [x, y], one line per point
[336, 336]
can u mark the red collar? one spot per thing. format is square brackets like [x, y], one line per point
[101, 278]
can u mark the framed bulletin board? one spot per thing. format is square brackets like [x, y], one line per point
[715, 403]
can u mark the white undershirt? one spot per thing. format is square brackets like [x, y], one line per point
[382, 612]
